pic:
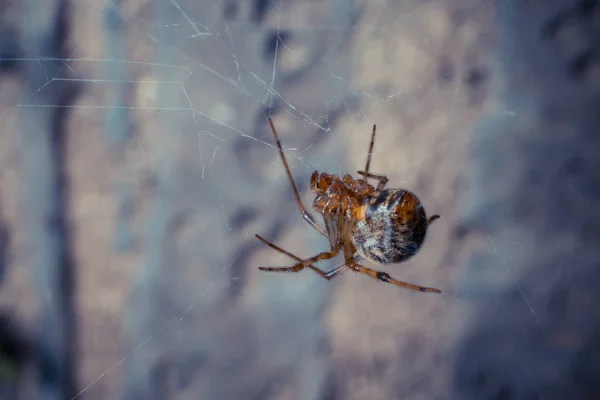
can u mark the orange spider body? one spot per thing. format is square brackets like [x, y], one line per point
[338, 196]
[382, 225]
[389, 225]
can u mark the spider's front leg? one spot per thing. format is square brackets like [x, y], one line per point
[326, 255]
[336, 245]
[305, 214]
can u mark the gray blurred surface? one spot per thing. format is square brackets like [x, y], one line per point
[537, 182]
[44, 198]
[229, 346]
[163, 168]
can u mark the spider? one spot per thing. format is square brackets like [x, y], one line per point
[382, 225]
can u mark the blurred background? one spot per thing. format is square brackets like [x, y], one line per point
[136, 165]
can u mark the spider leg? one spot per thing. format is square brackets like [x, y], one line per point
[370, 149]
[382, 179]
[326, 255]
[327, 275]
[382, 276]
[305, 214]
[334, 272]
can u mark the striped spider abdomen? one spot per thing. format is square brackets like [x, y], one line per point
[391, 227]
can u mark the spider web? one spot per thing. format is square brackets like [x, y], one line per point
[181, 96]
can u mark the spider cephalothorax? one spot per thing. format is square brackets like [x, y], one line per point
[382, 225]
[338, 196]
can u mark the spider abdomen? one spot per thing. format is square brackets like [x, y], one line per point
[392, 227]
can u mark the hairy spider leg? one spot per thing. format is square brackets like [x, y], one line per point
[307, 217]
[326, 255]
[382, 276]
[327, 275]
[382, 179]
[370, 149]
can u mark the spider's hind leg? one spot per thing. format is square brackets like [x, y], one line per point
[382, 276]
